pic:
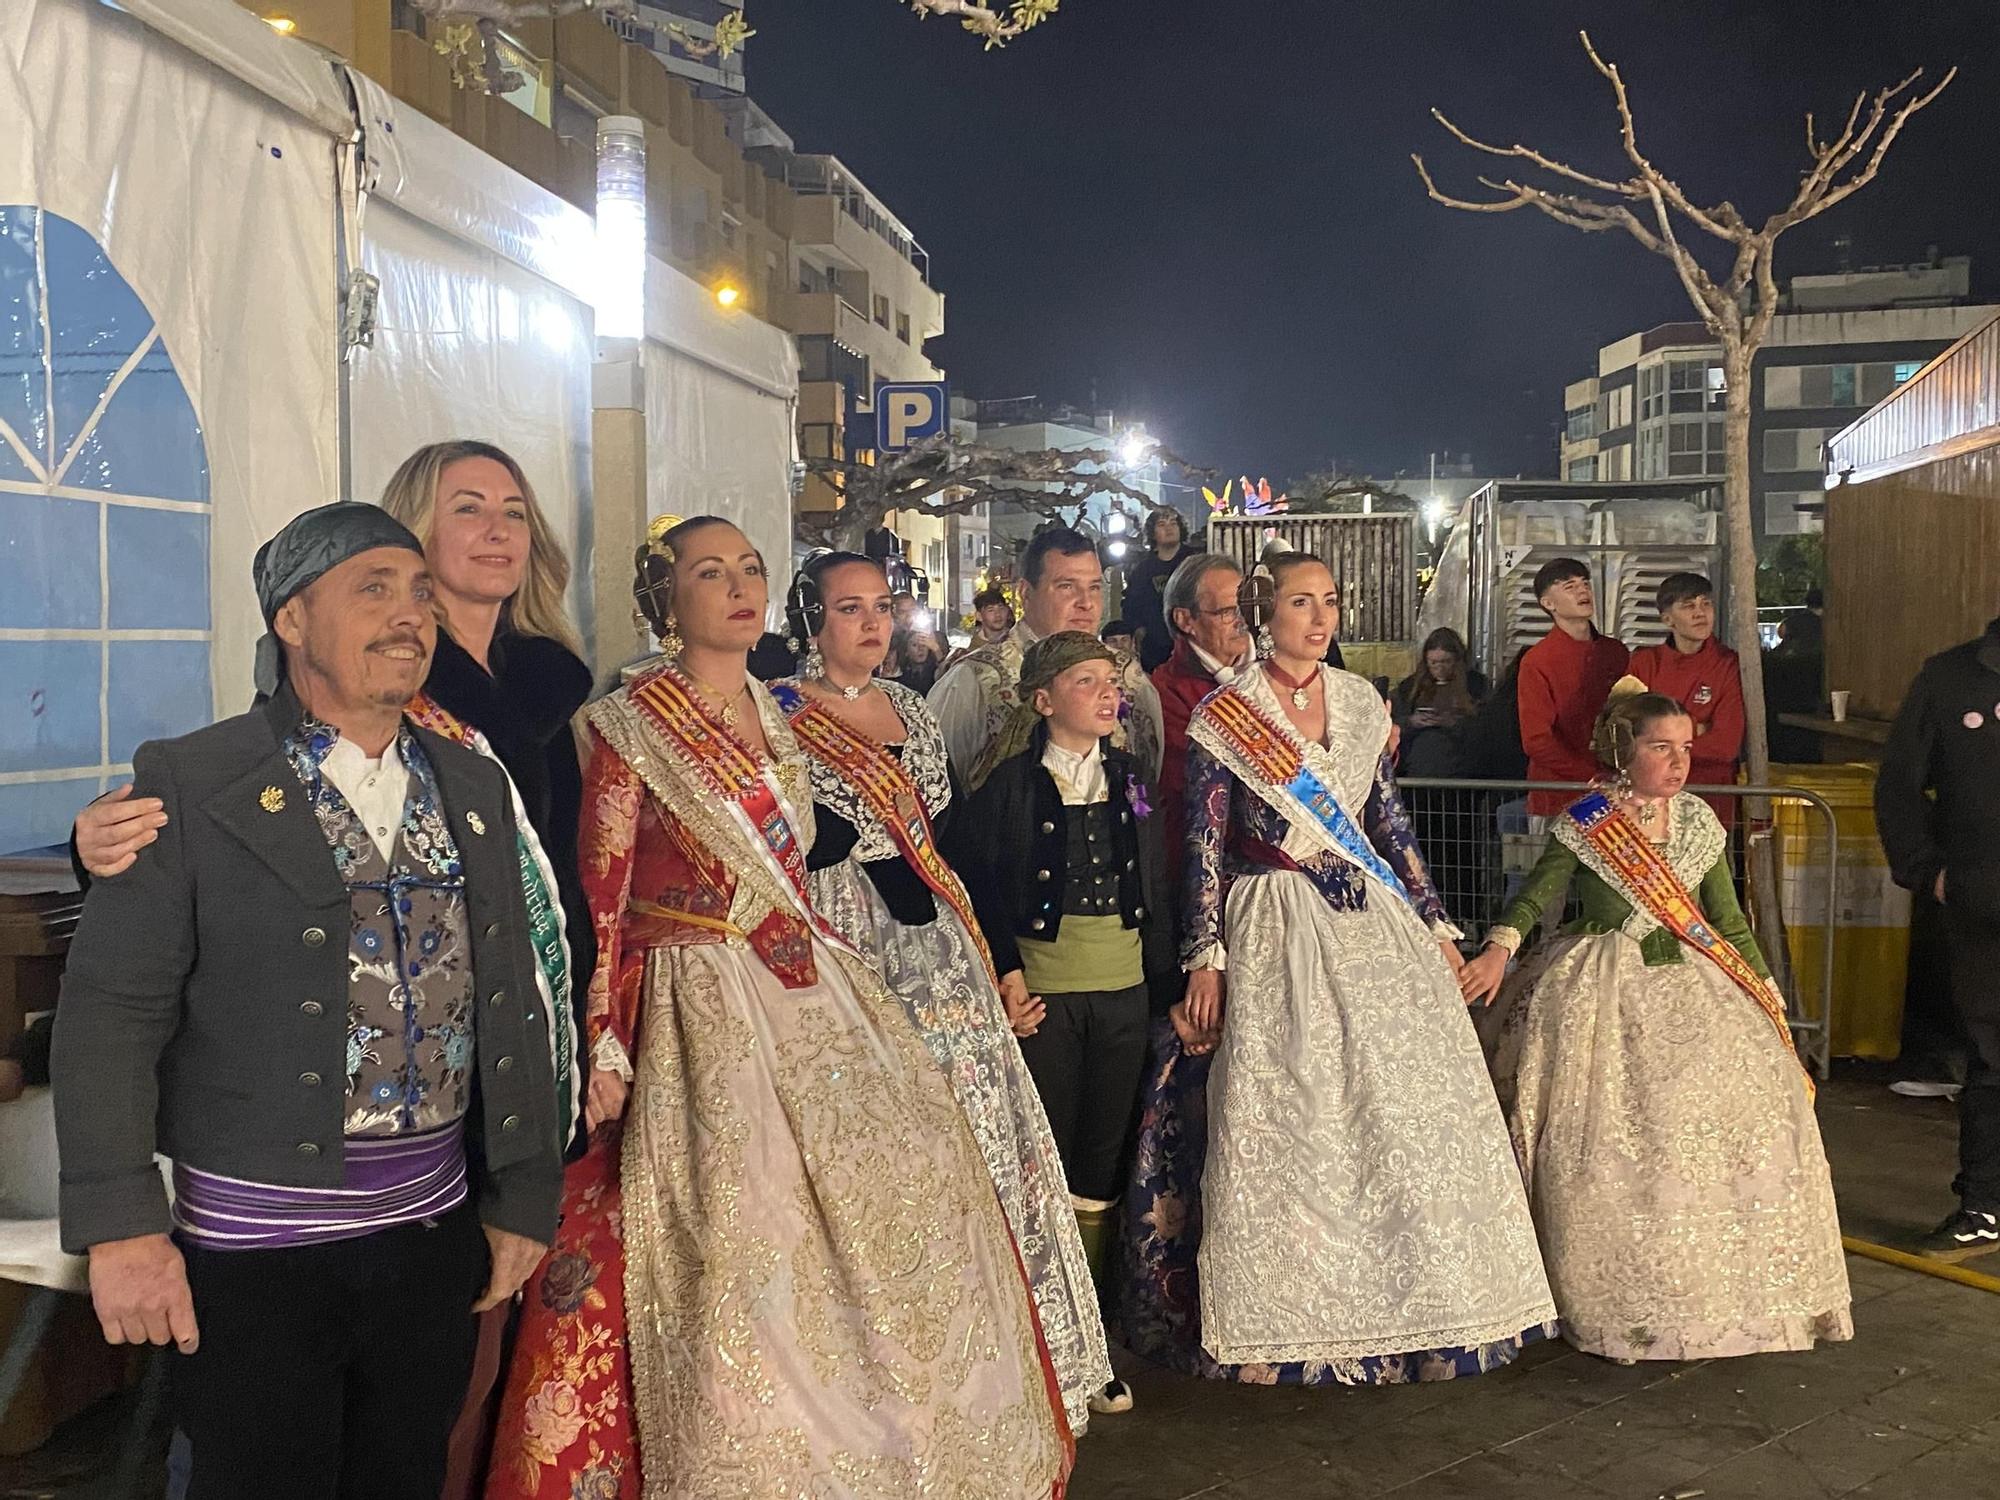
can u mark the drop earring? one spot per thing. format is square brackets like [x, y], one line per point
[671, 643]
[1266, 647]
[815, 664]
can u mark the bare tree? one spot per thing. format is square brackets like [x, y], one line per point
[1335, 492]
[947, 476]
[1737, 305]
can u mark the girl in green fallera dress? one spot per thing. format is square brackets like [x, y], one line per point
[1662, 1120]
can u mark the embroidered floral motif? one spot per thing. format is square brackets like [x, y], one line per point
[409, 1010]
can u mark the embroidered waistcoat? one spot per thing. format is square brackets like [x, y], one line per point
[410, 982]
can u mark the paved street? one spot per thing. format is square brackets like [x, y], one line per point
[1910, 1409]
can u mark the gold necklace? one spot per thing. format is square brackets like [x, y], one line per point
[726, 701]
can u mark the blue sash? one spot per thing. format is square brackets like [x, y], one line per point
[1271, 765]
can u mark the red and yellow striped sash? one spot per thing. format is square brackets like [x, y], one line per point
[888, 792]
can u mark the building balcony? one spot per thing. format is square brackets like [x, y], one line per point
[826, 314]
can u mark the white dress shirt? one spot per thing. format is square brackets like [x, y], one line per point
[1079, 774]
[1219, 671]
[376, 789]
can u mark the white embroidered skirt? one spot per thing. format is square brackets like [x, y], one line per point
[1673, 1160]
[1360, 1196]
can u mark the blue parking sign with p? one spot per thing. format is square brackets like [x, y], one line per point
[908, 412]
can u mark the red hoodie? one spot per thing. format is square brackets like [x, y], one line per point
[1709, 685]
[1563, 687]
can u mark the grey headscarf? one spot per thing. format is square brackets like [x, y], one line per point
[310, 546]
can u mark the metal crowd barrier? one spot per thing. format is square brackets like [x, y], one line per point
[1475, 839]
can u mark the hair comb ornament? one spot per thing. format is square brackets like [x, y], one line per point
[656, 537]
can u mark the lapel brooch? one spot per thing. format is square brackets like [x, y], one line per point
[476, 823]
[272, 799]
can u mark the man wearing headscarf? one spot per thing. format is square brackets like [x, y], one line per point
[1062, 855]
[316, 995]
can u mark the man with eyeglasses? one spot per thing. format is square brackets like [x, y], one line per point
[1211, 645]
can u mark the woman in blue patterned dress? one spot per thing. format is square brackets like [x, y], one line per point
[1351, 1211]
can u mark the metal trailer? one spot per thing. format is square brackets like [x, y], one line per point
[1375, 560]
[1630, 535]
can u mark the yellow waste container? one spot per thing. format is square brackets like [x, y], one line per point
[1871, 914]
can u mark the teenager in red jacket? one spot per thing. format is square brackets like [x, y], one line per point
[1565, 679]
[1702, 675]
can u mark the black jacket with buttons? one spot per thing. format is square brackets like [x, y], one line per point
[1937, 794]
[205, 994]
[1010, 846]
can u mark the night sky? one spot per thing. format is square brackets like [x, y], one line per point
[1204, 214]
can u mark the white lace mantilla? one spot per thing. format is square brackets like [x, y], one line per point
[685, 792]
[1696, 839]
[923, 759]
[1357, 732]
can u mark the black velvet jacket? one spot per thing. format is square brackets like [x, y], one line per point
[524, 708]
[1010, 848]
[901, 888]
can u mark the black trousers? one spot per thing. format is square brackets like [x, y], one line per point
[331, 1372]
[1933, 1040]
[1975, 991]
[1086, 1060]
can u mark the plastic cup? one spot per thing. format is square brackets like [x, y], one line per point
[1839, 699]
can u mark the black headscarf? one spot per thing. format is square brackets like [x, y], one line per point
[310, 546]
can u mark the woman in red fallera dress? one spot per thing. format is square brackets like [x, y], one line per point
[781, 1269]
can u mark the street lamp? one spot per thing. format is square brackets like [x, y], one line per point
[621, 227]
[727, 295]
[1435, 512]
[1135, 447]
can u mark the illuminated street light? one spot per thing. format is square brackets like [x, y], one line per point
[283, 25]
[1435, 513]
[621, 227]
[727, 295]
[1135, 447]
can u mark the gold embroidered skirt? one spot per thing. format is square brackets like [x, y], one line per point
[821, 1292]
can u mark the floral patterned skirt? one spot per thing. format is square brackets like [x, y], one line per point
[1374, 1230]
[790, 1276]
[1673, 1160]
[937, 972]
[1159, 1282]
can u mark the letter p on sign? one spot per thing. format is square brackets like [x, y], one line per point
[907, 414]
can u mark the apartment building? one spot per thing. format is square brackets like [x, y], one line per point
[1842, 341]
[796, 236]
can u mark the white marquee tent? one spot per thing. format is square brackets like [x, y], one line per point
[180, 192]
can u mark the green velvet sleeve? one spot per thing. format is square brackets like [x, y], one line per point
[1725, 915]
[1546, 885]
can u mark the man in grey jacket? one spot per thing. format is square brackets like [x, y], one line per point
[316, 995]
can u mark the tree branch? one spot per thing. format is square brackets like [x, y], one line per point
[996, 24]
[1546, 163]
[1818, 192]
[1721, 221]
